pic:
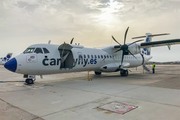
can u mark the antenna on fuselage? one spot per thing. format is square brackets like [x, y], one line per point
[49, 42]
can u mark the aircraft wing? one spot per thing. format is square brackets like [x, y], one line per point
[160, 43]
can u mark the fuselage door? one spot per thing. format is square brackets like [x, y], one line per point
[66, 56]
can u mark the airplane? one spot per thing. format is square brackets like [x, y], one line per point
[3, 60]
[43, 59]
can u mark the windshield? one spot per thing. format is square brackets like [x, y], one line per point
[29, 50]
[38, 50]
[45, 50]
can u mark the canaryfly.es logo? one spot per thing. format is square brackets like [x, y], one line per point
[57, 61]
[77, 61]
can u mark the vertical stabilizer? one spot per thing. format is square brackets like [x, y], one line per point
[147, 51]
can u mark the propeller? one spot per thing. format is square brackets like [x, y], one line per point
[124, 47]
[72, 41]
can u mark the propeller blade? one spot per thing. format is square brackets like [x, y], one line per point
[125, 35]
[122, 59]
[63, 50]
[116, 40]
[72, 41]
[132, 55]
[135, 42]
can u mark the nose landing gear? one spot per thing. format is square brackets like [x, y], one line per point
[30, 79]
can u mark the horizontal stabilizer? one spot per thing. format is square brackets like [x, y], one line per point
[151, 35]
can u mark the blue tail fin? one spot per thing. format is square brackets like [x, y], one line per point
[147, 51]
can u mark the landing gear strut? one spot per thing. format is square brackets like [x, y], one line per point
[124, 72]
[30, 79]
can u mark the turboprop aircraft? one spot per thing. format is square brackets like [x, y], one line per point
[3, 60]
[41, 59]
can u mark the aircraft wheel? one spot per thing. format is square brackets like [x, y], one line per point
[97, 73]
[124, 73]
[29, 81]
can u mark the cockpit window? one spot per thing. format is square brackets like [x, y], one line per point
[29, 50]
[38, 50]
[45, 50]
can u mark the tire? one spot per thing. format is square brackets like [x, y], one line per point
[29, 81]
[97, 73]
[124, 73]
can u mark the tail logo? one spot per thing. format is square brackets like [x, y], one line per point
[145, 52]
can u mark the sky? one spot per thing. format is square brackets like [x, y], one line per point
[90, 22]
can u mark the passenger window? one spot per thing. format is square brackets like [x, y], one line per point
[107, 56]
[84, 56]
[88, 56]
[98, 56]
[95, 56]
[80, 57]
[91, 56]
[38, 50]
[101, 56]
[45, 50]
[104, 56]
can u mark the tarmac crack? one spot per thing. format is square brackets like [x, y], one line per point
[10, 81]
[128, 90]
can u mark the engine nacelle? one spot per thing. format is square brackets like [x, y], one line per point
[112, 67]
[134, 48]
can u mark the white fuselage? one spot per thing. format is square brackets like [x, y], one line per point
[79, 59]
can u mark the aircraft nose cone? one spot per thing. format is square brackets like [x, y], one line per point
[11, 65]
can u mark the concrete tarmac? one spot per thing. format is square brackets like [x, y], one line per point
[107, 97]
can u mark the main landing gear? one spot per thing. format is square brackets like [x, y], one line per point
[30, 79]
[124, 72]
[97, 73]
